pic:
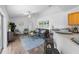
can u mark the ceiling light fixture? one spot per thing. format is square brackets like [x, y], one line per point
[28, 14]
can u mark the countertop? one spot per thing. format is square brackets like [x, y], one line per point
[64, 31]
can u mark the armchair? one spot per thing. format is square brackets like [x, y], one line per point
[16, 31]
[25, 31]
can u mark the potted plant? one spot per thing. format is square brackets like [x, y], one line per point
[11, 26]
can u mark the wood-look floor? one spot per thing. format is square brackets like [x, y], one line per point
[15, 47]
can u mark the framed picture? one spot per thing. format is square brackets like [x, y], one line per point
[43, 24]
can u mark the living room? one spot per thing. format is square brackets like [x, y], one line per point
[28, 23]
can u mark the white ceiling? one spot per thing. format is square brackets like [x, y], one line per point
[20, 10]
[67, 7]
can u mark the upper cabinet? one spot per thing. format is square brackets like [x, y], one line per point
[73, 18]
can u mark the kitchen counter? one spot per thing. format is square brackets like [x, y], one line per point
[64, 43]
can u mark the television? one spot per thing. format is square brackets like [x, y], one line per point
[73, 18]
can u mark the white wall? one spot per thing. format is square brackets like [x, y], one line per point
[5, 19]
[23, 22]
[57, 17]
[59, 20]
[54, 15]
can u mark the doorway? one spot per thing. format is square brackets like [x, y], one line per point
[1, 32]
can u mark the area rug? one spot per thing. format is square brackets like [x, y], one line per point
[31, 42]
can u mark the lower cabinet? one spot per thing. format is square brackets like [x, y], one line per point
[10, 36]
